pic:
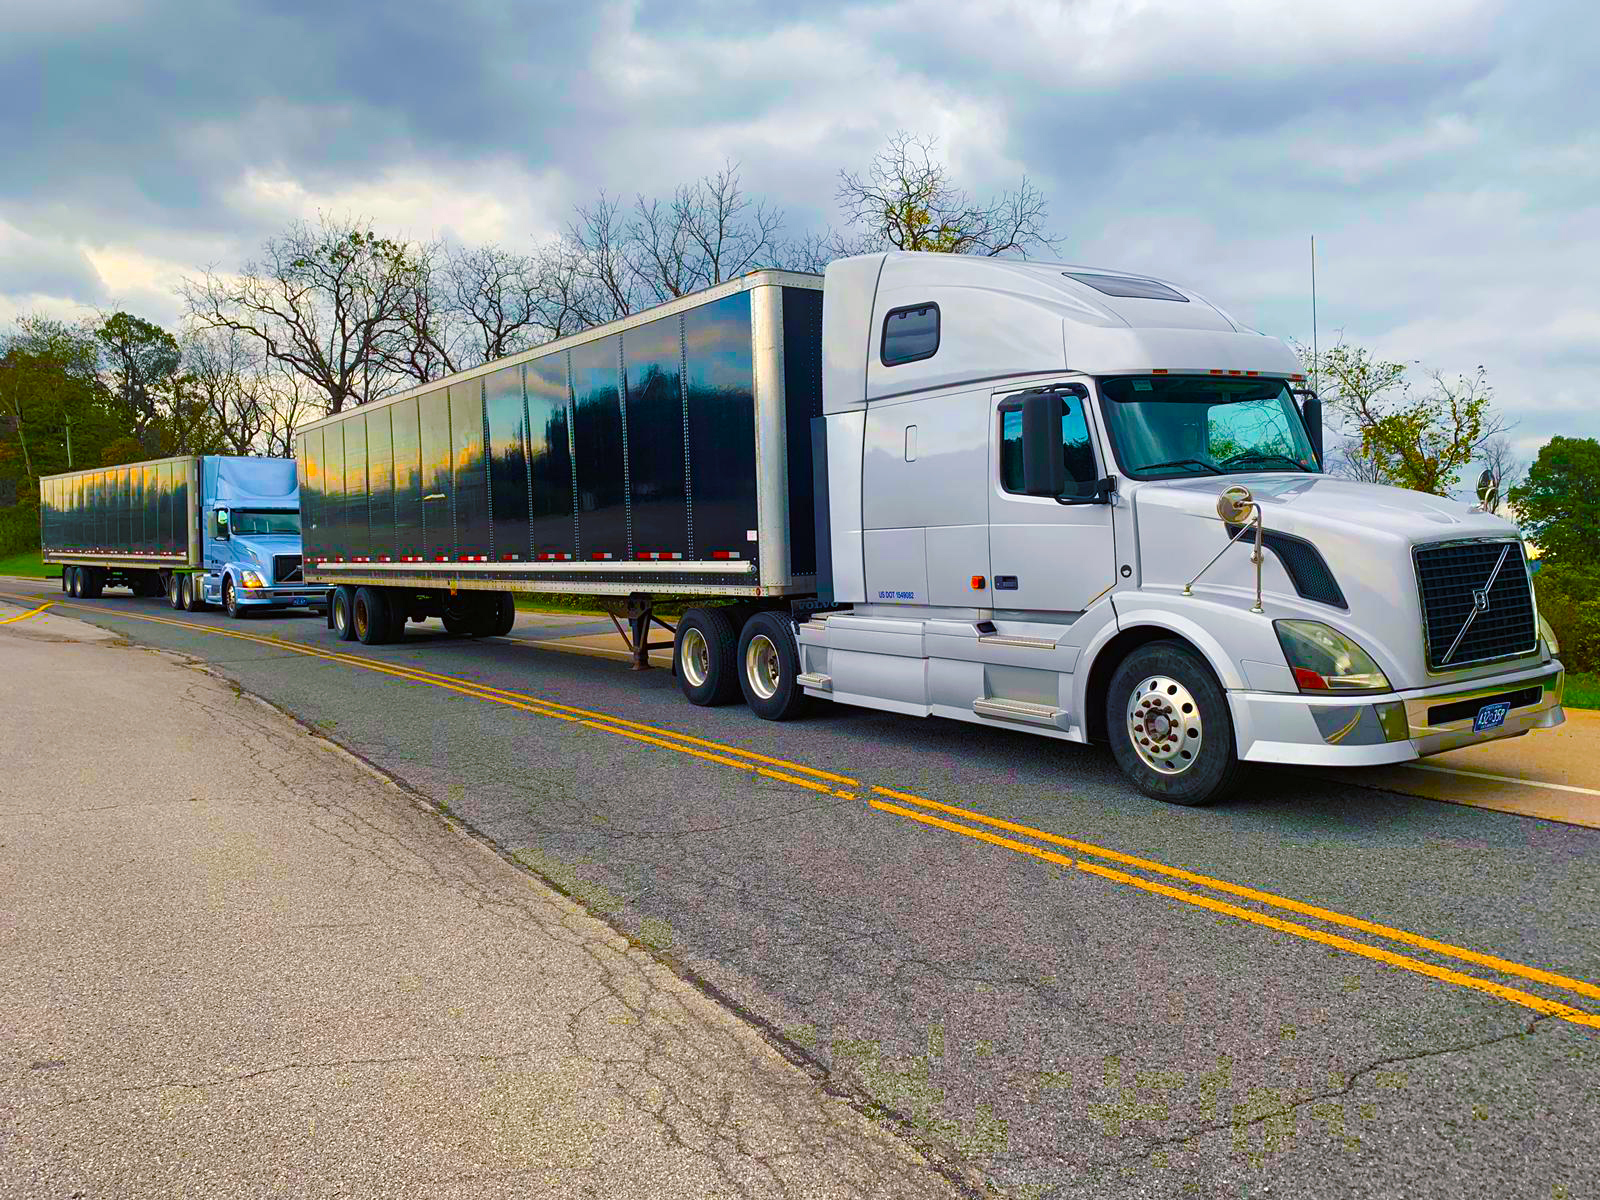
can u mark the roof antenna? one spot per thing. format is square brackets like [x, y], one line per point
[1316, 359]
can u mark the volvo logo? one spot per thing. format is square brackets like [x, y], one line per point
[1480, 600]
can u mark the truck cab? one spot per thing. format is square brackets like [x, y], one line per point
[1090, 504]
[250, 538]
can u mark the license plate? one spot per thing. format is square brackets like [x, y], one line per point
[1491, 716]
[300, 600]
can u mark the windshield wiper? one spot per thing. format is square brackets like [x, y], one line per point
[1179, 462]
[1263, 457]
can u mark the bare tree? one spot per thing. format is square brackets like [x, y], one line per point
[331, 301]
[1504, 465]
[906, 200]
[225, 375]
[597, 243]
[497, 298]
[566, 301]
[710, 231]
[287, 403]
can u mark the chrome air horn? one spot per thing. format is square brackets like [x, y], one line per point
[1232, 506]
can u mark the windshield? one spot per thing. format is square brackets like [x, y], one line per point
[1167, 426]
[245, 520]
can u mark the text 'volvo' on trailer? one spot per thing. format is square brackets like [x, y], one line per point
[1077, 503]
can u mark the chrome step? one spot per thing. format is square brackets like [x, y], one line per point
[1019, 710]
[1004, 639]
[816, 680]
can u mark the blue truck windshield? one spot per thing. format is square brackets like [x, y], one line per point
[1167, 426]
[246, 520]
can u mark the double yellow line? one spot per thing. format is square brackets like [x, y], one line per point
[31, 613]
[768, 767]
[1534, 974]
[971, 824]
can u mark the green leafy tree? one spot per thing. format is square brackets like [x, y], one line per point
[143, 365]
[1396, 434]
[1558, 504]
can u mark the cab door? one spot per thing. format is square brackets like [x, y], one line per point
[1048, 556]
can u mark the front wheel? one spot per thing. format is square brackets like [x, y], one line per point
[230, 599]
[1169, 725]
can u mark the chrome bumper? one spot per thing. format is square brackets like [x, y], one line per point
[1333, 730]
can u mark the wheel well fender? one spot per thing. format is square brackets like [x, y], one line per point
[1136, 629]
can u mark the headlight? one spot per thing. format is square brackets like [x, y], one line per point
[252, 580]
[1549, 636]
[1324, 660]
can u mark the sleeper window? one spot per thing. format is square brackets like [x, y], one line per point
[910, 334]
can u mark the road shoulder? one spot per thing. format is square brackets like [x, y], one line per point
[241, 961]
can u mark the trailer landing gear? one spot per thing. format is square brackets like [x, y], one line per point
[640, 612]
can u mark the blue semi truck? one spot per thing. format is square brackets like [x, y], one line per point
[200, 529]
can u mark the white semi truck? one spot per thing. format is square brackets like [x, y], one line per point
[1080, 503]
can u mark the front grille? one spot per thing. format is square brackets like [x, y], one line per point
[286, 568]
[1451, 577]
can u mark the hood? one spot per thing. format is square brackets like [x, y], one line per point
[1312, 505]
[261, 547]
[1363, 532]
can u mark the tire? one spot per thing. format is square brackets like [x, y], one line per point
[72, 582]
[230, 599]
[193, 596]
[173, 597]
[92, 583]
[463, 617]
[343, 627]
[397, 602]
[1165, 695]
[705, 657]
[369, 616]
[502, 616]
[769, 666]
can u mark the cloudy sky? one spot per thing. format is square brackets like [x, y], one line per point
[1445, 153]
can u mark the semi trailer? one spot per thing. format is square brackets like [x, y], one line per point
[199, 529]
[1079, 503]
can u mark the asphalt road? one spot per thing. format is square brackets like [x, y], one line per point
[1315, 990]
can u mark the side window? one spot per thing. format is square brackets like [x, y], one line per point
[910, 334]
[1076, 452]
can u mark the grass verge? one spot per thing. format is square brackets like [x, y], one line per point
[1582, 690]
[28, 564]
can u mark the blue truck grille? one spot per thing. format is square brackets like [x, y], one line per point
[1473, 613]
[286, 569]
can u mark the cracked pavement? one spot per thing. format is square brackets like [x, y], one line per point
[1039, 1028]
[238, 962]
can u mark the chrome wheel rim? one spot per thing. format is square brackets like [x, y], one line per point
[694, 658]
[231, 598]
[1164, 725]
[341, 614]
[761, 666]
